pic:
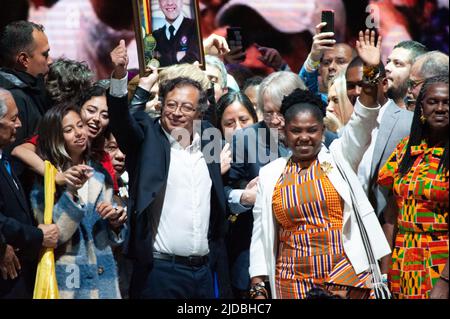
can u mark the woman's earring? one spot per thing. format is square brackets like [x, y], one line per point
[423, 119]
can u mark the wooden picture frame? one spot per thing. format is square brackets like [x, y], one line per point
[160, 45]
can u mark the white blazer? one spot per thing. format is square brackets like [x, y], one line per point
[346, 152]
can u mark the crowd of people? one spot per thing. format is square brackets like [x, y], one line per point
[192, 183]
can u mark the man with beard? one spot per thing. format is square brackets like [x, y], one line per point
[398, 68]
[393, 124]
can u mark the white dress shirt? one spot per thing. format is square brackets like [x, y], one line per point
[365, 166]
[182, 228]
[176, 24]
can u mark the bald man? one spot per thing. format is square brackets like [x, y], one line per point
[326, 58]
[22, 238]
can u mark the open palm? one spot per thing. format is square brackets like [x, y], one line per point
[368, 51]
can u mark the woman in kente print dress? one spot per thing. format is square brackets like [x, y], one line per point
[418, 173]
[305, 233]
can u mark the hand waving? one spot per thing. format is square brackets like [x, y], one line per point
[367, 50]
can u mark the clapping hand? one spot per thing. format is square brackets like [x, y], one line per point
[368, 50]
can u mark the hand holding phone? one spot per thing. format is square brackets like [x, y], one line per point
[234, 38]
[324, 38]
[328, 17]
[236, 43]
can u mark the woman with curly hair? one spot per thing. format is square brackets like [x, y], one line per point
[417, 217]
[67, 80]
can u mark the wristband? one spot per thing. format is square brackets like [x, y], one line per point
[371, 75]
[257, 290]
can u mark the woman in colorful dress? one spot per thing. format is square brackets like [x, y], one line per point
[305, 233]
[417, 173]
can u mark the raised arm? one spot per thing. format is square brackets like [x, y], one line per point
[322, 41]
[128, 132]
[357, 133]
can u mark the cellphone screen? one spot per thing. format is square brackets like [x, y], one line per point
[328, 17]
[234, 37]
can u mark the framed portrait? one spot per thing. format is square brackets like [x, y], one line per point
[167, 33]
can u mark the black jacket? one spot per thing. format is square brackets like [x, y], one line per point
[18, 229]
[30, 96]
[148, 159]
[185, 40]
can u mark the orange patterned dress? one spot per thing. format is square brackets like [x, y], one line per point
[421, 244]
[310, 250]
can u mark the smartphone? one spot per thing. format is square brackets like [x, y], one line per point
[328, 17]
[234, 38]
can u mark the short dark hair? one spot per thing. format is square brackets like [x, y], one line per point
[93, 91]
[302, 101]
[15, 38]
[415, 48]
[253, 81]
[170, 85]
[67, 80]
[229, 98]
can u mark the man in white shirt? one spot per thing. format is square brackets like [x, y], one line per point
[177, 201]
[177, 41]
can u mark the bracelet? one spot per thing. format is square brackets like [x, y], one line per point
[443, 278]
[312, 65]
[257, 290]
[371, 75]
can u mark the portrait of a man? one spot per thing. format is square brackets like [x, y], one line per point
[177, 40]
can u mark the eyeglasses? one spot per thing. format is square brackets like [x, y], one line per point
[413, 84]
[184, 108]
[271, 115]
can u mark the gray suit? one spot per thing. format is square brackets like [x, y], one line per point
[395, 125]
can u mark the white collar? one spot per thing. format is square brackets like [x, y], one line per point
[176, 24]
[194, 146]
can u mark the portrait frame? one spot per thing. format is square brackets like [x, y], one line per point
[148, 19]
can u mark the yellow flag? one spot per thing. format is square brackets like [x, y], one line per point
[45, 286]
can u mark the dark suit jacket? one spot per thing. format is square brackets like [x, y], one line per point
[19, 231]
[185, 40]
[148, 159]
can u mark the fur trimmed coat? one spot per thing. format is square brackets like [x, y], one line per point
[85, 265]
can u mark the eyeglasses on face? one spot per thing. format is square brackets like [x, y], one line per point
[413, 84]
[271, 115]
[184, 108]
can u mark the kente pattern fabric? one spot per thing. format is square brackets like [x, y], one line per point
[309, 212]
[421, 244]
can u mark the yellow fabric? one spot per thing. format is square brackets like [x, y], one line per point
[46, 286]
